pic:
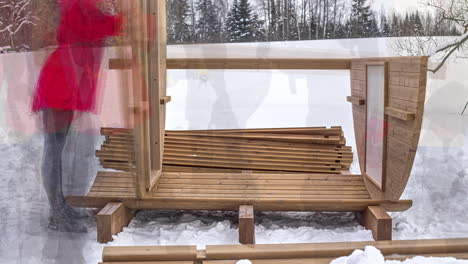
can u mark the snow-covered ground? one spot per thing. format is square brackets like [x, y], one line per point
[229, 99]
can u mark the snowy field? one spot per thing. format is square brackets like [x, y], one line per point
[230, 99]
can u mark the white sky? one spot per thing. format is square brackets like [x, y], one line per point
[398, 5]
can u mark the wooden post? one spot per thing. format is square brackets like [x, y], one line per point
[246, 224]
[111, 220]
[376, 219]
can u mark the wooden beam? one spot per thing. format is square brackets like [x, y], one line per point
[400, 114]
[246, 224]
[356, 100]
[148, 253]
[111, 220]
[120, 64]
[376, 219]
[264, 64]
[245, 63]
[232, 204]
[293, 253]
[165, 100]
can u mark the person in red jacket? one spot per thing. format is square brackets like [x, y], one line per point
[67, 86]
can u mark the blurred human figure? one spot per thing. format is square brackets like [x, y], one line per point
[65, 88]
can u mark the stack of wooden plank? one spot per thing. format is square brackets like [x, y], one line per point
[293, 150]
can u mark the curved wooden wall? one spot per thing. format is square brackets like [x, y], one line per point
[406, 90]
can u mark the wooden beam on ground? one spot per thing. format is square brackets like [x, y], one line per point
[232, 204]
[286, 253]
[376, 219]
[356, 100]
[400, 114]
[111, 220]
[246, 224]
[148, 253]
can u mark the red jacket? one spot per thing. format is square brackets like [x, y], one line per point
[69, 77]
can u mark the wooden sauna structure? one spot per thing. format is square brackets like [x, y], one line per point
[264, 169]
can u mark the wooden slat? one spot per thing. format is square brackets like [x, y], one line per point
[250, 165]
[251, 155]
[175, 192]
[265, 64]
[232, 204]
[400, 114]
[251, 63]
[308, 139]
[263, 187]
[356, 100]
[265, 176]
[336, 131]
[171, 144]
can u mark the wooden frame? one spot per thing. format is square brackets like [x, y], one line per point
[385, 121]
[270, 169]
[406, 89]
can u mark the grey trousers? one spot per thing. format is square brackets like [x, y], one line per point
[56, 127]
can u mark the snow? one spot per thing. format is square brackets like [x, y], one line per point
[230, 99]
[371, 255]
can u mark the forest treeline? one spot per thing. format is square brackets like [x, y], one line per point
[31, 24]
[208, 21]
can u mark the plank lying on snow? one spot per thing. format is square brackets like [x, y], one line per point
[295, 253]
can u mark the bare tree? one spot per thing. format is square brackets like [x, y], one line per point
[448, 12]
[15, 17]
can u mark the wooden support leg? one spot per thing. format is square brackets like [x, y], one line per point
[111, 220]
[246, 224]
[376, 219]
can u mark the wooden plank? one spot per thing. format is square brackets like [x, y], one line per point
[192, 145]
[312, 253]
[264, 187]
[111, 220]
[334, 250]
[376, 219]
[246, 224]
[289, 130]
[147, 253]
[250, 165]
[400, 114]
[252, 155]
[264, 64]
[232, 204]
[292, 161]
[310, 139]
[356, 100]
[255, 192]
[165, 100]
[263, 176]
[285, 182]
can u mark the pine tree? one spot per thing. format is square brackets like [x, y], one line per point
[209, 27]
[361, 24]
[178, 30]
[396, 26]
[418, 29]
[386, 30]
[242, 24]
